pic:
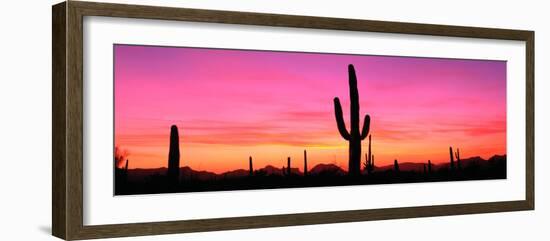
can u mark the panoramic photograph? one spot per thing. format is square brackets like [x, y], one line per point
[190, 119]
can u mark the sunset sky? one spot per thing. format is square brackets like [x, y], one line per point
[231, 104]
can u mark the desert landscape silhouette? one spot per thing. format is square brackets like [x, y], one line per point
[360, 171]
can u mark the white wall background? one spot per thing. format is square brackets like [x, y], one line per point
[25, 107]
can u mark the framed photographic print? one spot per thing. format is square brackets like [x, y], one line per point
[160, 114]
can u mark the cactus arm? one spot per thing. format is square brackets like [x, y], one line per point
[366, 127]
[340, 119]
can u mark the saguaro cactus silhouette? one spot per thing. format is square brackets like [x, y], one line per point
[354, 136]
[369, 159]
[250, 168]
[452, 165]
[429, 166]
[174, 155]
[305, 163]
[369, 164]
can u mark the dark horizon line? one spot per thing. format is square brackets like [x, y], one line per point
[343, 169]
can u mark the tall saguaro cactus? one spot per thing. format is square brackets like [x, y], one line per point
[354, 136]
[174, 155]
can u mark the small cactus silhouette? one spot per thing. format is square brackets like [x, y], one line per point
[125, 172]
[288, 167]
[250, 168]
[369, 159]
[396, 165]
[354, 136]
[452, 164]
[305, 163]
[369, 164]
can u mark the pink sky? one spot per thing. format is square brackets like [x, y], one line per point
[231, 104]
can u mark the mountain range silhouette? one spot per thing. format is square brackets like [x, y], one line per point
[141, 174]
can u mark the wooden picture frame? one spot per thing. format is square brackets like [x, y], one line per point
[67, 123]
